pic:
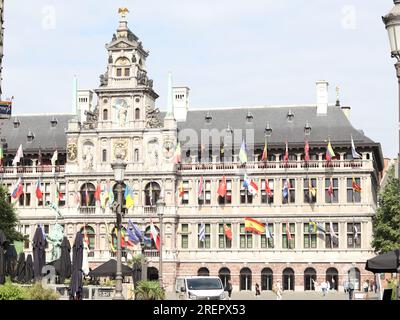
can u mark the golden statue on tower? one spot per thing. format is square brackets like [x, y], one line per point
[123, 12]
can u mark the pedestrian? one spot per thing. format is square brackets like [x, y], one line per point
[258, 292]
[228, 288]
[333, 284]
[314, 284]
[350, 290]
[328, 286]
[346, 286]
[324, 286]
[366, 287]
[277, 289]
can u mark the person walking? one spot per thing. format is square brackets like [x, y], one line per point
[351, 290]
[366, 288]
[324, 287]
[328, 286]
[228, 288]
[278, 290]
[346, 286]
[258, 292]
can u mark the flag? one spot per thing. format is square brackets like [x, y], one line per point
[312, 227]
[39, 193]
[252, 225]
[97, 193]
[178, 154]
[332, 232]
[129, 202]
[356, 186]
[268, 233]
[330, 154]
[264, 156]
[103, 197]
[85, 236]
[355, 231]
[18, 190]
[228, 232]
[1, 155]
[110, 195]
[202, 232]
[288, 235]
[286, 157]
[320, 227]
[123, 242]
[54, 158]
[40, 160]
[285, 191]
[250, 185]
[181, 190]
[307, 152]
[18, 156]
[155, 235]
[330, 189]
[59, 195]
[243, 153]
[109, 238]
[268, 190]
[77, 199]
[312, 191]
[87, 197]
[354, 152]
[222, 187]
[136, 230]
[200, 188]
[132, 236]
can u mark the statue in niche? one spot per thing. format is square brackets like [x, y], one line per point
[134, 58]
[152, 152]
[122, 116]
[88, 158]
[121, 112]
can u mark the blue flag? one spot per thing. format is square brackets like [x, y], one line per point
[136, 230]
[132, 237]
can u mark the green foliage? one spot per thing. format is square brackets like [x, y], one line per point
[9, 291]
[387, 219]
[8, 218]
[137, 259]
[149, 290]
[37, 292]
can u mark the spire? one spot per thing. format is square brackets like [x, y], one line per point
[123, 29]
[170, 102]
[75, 96]
[337, 96]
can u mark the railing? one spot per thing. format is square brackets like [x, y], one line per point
[32, 169]
[87, 210]
[150, 209]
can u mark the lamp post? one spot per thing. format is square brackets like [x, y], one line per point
[143, 259]
[119, 171]
[392, 24]
[160, 212]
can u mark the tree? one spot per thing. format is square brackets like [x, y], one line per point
[149, 290]
[8, 218]
[386, 223]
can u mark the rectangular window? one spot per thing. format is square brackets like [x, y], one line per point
[268, 243]
[28, 190]
[291, 195]
[223, 241]
[127, 72]
[46, 194]
[61, 203]
[205, 198]
[228, 197]
[335, 188]
[119, 72]
[185, 197]
[246, 238]
[266, 197]
[352, 196]
[288, 244]
[207, 243]
[331, 242]
[310, 237]
[353, 235]
[245, 196]
[310, 190]
[184, 236]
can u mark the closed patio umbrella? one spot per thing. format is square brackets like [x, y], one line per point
[65, 261]
[3, 241]
[387, 262]
[76, 286]
[11, 261]
[21, 265]
[109, 269]
[29, 274]
[39, 252]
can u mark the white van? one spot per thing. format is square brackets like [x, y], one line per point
[200, 288]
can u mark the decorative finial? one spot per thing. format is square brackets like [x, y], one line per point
[123, 12]
[337, 96]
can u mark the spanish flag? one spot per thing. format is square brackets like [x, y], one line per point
[356, 186]
[251, 225]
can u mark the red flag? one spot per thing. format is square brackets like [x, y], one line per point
[286, 158]
[356, 186]
[39, 193]
[97, 193]
[268, 190]
[307, 151]
[289, 236]
[59, 194]
[228, 232]
[181, 190]
[155, 235]
[330, 189]
[222, 187]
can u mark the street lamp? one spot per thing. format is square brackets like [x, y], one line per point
[392, 24]
[160, 212]
[119, 171]
[143, 259]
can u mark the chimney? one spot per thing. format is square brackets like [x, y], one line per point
[181, 103]
[346, 111]
[322, 97]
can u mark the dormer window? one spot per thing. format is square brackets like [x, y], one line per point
[229, 129]
[249, 117]
[268, 130]
[208, 117]
[290, 116]
[53, 122]
[16, 123]
[30, 136]
[307, 129]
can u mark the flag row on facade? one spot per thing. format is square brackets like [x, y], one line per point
[20, 154]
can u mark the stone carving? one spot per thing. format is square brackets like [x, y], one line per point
[141, 77]
[134, 58]
[110, 59]
[152, 117]
[91, 119]
[122, 115]
[168, 149]
[104, 79]
[152, 153]
[72, 152]
[88, 157]
[55, 238]
[121, 149]
[114, 37]
[121, 112]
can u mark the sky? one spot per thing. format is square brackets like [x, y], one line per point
[230, 53]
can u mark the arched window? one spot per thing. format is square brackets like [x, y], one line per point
[152, 273]
[147, 235]
[136, 155]
[90, 234]
[267, 277]
[245, 279]
[225, 275]
[104, 155]
[355, 277]
[332, 275]
[288, 279]
[310, 275]
[152, 193]
[203, 272]
[105, 114]
[87, 195]
[137, 114]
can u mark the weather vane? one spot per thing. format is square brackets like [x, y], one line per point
[123, 12]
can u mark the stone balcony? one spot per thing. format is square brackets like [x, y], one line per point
[32, 170]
